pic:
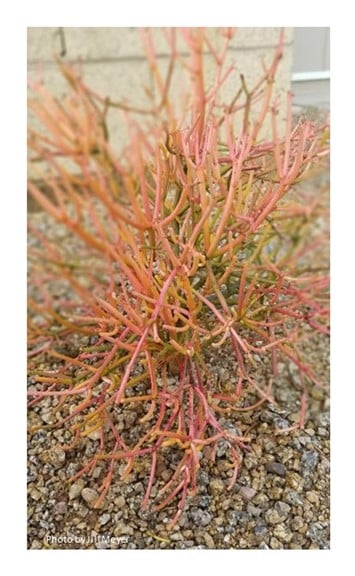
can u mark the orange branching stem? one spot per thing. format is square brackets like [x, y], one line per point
[187, 240]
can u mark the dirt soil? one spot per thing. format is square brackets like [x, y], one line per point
[280, 500]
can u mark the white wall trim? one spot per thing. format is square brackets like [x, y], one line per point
[310, 76]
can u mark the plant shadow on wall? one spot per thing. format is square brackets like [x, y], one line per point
[190, 240]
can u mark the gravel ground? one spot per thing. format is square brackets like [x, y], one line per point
[280, 500]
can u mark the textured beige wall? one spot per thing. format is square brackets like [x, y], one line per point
[113, 61]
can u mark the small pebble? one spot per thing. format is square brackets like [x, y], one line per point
[317, 393]
[292, 497]
[223, 465]
[247, 493]
[61, 507]
[276, 468]
[297, 523]
[47, 416]
[57, 457]
[120, 502]
[295, 481]
[253, 510]
[282, 533]
[235, 517]
[209, 540]
[216, 486]
[260, 531]
[309, 461]
[82, 511]
[35, 494]
[89, 495]
[243, 543]
[76, 489]
[282, 508]
[122, 529]
[275, 544]
[278, 513]
[281, 423]
[104, 519]
[200, 517]
[176, 537]
[313, 497]
[275, 493]
[203, 478]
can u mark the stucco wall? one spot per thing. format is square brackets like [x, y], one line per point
[114, 65]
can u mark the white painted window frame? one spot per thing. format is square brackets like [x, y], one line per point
[311, 76]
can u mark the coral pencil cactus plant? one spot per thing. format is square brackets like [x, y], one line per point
[186, 241]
